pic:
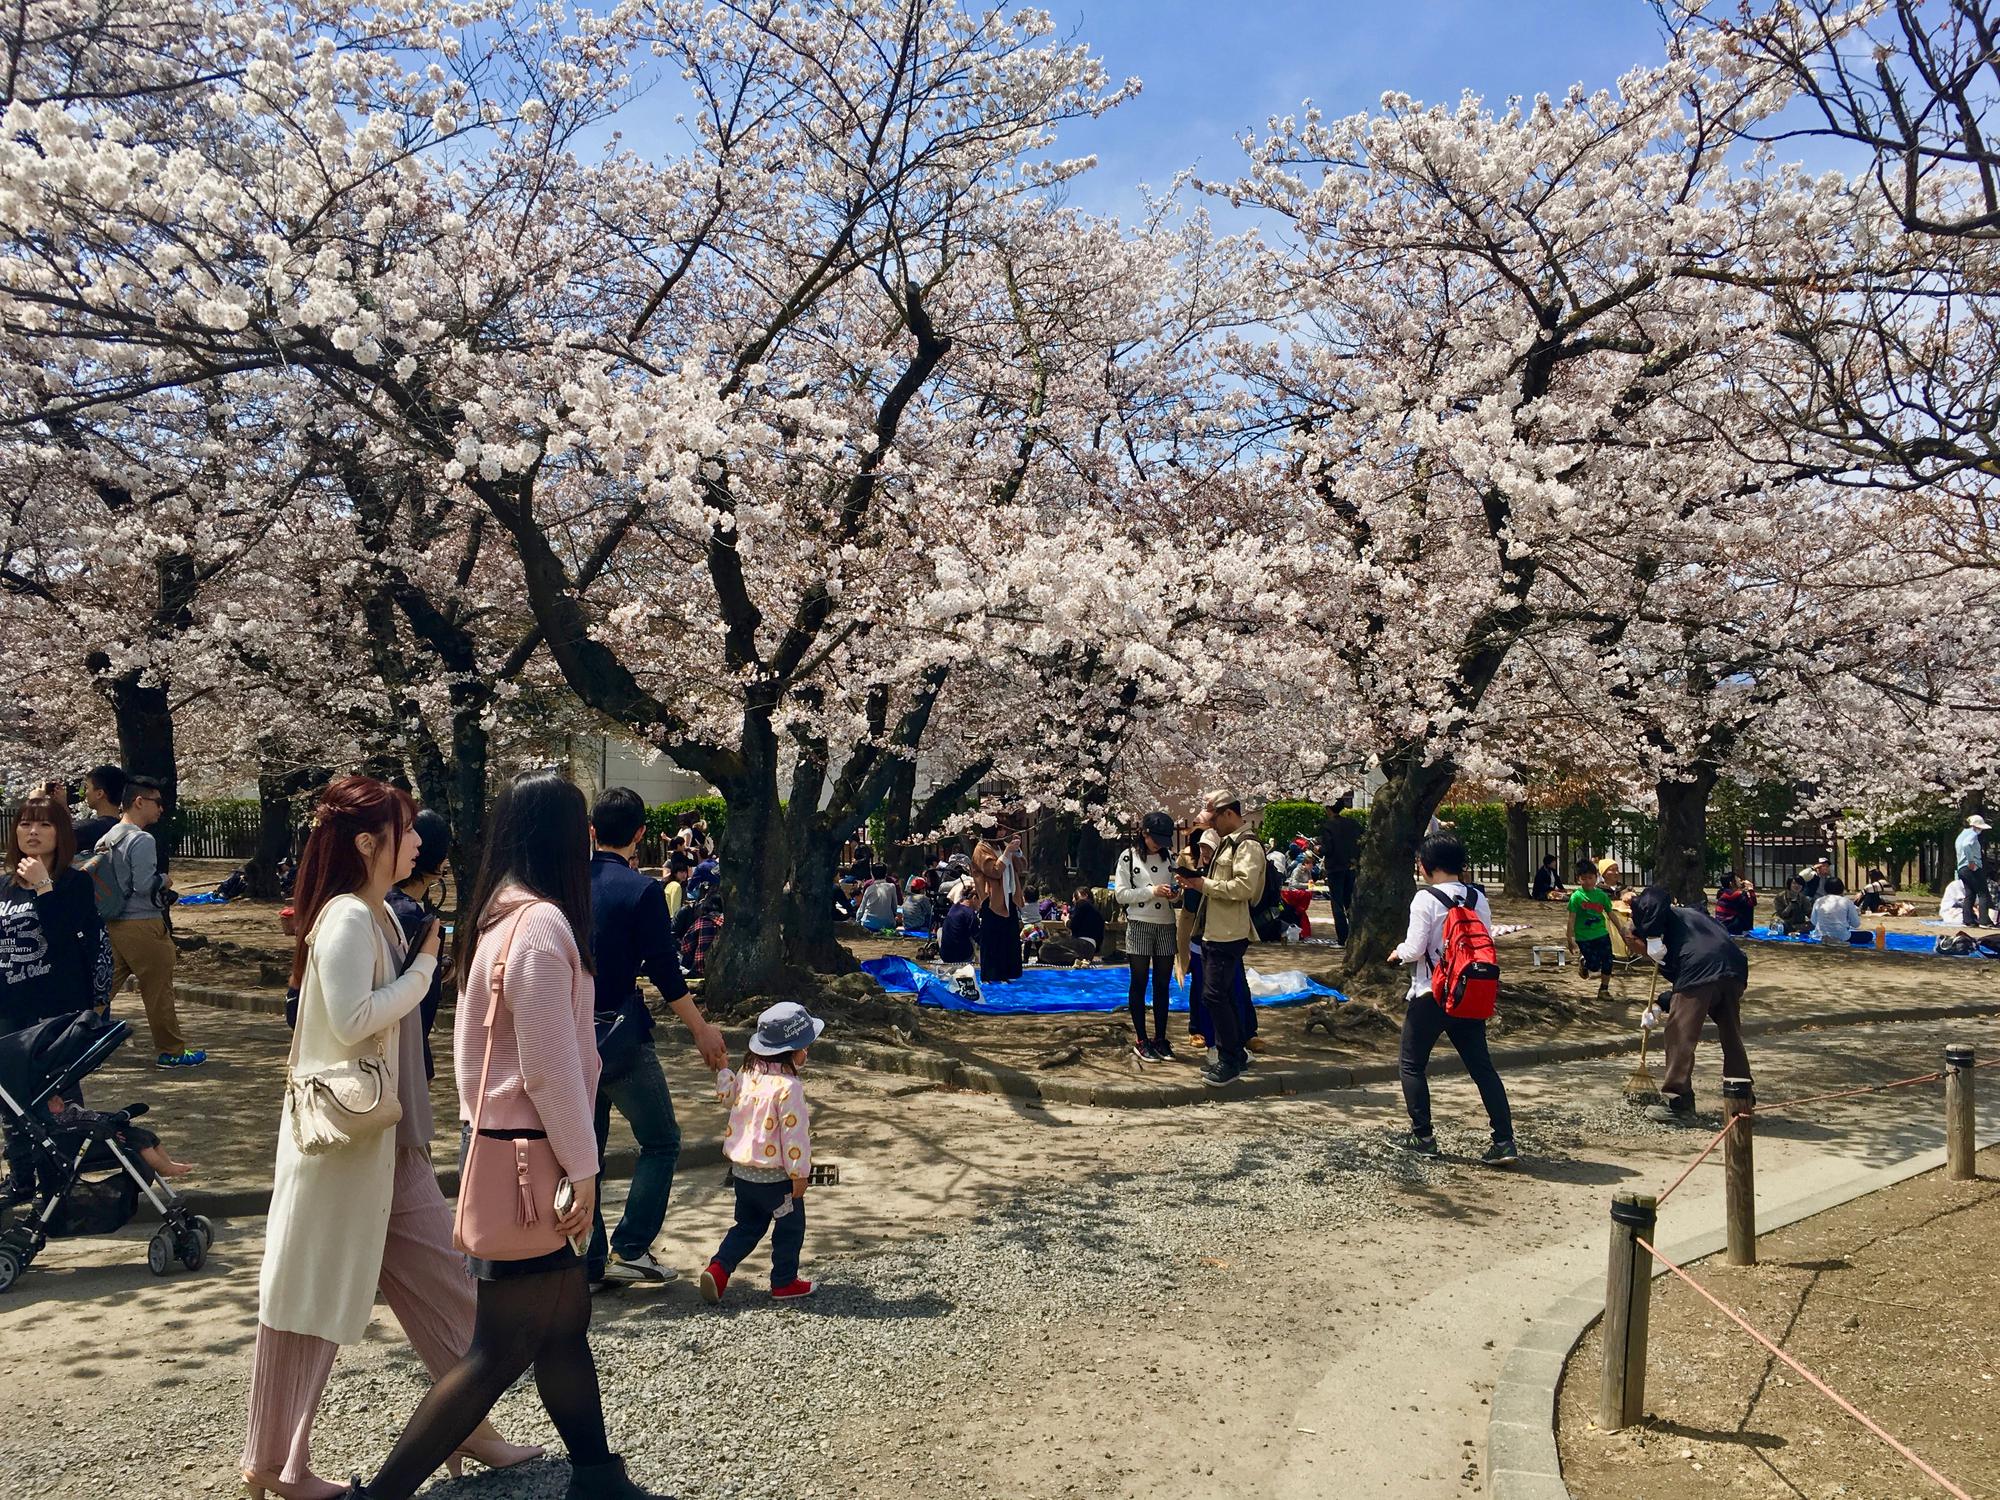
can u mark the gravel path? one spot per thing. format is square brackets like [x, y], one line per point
[1271, 1270]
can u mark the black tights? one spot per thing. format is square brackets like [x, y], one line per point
[541, 1320]
[1163, 975]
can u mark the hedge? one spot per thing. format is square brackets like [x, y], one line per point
[1285, 821]
[662, 818]
[1482, 828]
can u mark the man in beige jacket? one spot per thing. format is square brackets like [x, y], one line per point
[1234, 883]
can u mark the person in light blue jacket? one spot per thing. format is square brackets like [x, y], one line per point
[1972, 870]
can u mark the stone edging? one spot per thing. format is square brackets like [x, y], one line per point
[1522, 1461]
[1260, 1082]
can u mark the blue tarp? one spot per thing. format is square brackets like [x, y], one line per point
[206, 898]
[1898, 942]
[1046, 991]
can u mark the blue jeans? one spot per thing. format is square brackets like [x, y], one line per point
[640, 1093]
[757, 1204]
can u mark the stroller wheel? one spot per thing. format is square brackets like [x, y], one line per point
[204, 1230]
[10, 1266]
[194, 1251]
[160, 1251]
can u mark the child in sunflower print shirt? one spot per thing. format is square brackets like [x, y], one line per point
[769, 1150]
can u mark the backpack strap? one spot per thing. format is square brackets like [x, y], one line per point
[1448, 901]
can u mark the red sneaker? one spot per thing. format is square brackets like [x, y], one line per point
[794, 1292]
[714, 1281]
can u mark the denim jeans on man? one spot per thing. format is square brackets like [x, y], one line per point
[640, 1093]
[757, 1204]
[1423, 1023]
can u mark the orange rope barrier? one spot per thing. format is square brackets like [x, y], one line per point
[1705, 1151]
[1772, 1109]
[1820, 1385]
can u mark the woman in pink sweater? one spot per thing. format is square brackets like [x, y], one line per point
[539, 1069]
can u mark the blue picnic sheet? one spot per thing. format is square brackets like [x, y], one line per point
[1050, 991]
[1898, 942]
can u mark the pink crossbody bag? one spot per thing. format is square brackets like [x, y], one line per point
[506, 1188]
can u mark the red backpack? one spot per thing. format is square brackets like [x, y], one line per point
[1466, 977]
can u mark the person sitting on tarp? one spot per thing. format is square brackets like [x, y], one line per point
[958, 936]
[1793, 908]
[877, 904]
[1736, 904]
[1834, 915]
[917, 914]
[1086, 924]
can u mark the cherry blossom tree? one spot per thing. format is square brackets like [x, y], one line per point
[1497, 325]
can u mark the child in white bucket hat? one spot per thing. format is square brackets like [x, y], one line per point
[769, 1148]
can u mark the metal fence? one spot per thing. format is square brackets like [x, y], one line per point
[1766, 858]
[224, 831]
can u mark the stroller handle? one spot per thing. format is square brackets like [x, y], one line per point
[133, 1111]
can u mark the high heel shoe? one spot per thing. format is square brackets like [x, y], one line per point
[492, 1453]
[312, 1487]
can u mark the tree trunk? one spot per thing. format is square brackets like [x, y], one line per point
[1095, 856]
[144, 717]
[466, 802]
[1384, 880]
[280, 783]
[810, 942]
[1680, 852]
[1048, 858]
[1518, 862]
[755, 853]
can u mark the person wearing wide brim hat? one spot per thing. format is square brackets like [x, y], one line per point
[769, 1149]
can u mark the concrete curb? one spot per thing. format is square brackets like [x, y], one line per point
[1522, 1461]
[1016, 1083]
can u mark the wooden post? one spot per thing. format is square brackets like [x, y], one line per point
[1628, 1302]
[1959, 1144]
[1740, 1172]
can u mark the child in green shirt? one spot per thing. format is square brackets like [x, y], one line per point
[1589, 931]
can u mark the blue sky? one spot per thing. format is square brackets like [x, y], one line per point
[1212, 68]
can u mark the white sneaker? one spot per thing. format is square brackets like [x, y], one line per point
[641, 1268]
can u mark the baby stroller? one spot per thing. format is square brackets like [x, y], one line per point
[77, 1178]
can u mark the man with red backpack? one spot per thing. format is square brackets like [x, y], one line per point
[1454, 985]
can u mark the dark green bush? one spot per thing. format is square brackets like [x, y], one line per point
[664, 817]
[1285, 821]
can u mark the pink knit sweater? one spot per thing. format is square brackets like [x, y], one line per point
[544, 1070]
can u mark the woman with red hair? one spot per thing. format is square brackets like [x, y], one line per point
[351, 1219]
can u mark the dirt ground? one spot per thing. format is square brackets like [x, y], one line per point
[1893, 1300]
[1256, 1299]
[245, 949]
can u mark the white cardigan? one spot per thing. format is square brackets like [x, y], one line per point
[330, 1213]
[1137, 875]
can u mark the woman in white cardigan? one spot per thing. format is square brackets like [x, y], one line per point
[365, 1217]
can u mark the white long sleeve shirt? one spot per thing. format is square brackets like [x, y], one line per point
[1423, 944]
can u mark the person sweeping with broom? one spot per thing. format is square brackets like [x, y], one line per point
[1708, 973]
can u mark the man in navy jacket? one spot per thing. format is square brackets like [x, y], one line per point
[631, 934]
